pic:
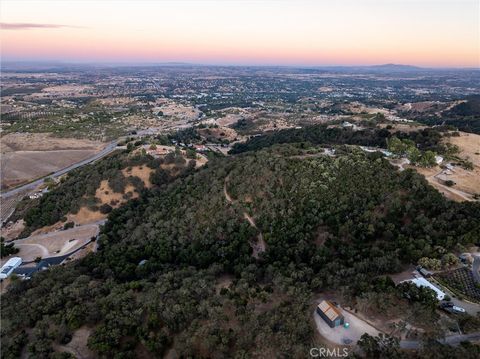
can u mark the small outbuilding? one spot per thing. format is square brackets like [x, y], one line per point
[330, 314]
[424, 272]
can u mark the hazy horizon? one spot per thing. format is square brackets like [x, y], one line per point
[53, 62]
[301, 33]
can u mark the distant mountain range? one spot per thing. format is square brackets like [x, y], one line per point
[395, 67]
[382, 68]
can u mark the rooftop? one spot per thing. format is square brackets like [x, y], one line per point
[329, 310]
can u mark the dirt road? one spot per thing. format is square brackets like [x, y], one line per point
[259, 246]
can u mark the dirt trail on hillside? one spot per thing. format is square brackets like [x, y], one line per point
[259, 246]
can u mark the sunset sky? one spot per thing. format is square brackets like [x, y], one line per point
[263, 32]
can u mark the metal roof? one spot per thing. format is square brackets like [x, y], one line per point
[329, 310]
[422, 282]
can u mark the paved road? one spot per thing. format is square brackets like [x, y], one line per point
[450, 340]
[26, 269]
[30, 186]
[476, 267]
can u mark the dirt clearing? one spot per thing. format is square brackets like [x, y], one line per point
[455, 192]
[29, 156]
[44, 142]
[23, 166]
[342, 335]
[78, 345]
[466, 182]
[55, 243]
[142, 172]
[106, 195]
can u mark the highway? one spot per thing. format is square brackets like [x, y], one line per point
[31, 185]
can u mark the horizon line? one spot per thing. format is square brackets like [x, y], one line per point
[226, 64]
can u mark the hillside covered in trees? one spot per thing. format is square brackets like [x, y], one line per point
[175, 269]
[465, 116]
[426, 139]
[78, 189]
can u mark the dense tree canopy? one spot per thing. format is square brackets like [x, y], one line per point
[175, 268]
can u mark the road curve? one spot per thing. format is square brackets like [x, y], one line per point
[30, 186]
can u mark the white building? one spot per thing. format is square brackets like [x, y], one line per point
[9, 267]
[422, 282]
[438, 159]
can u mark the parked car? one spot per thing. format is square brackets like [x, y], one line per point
[456, 309]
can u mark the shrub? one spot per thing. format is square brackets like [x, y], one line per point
[105, 208]
[69, 225]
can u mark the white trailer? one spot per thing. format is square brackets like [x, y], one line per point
[422, 282]
[9, 267]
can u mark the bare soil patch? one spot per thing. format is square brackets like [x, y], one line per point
[223, 282]
[218, 133]
[26, 156]
[78, 345]
[106, 195]
[142, 172]
[23, 166]
[55, 243]
[200, 160]
[44, 142]
[13, 230]
[229, 119]
[454, 193]
[404, 275]
[342, 335]
[469, 144]
[466, 180]
[402, 127]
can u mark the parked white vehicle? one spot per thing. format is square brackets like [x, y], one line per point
[9, 267]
